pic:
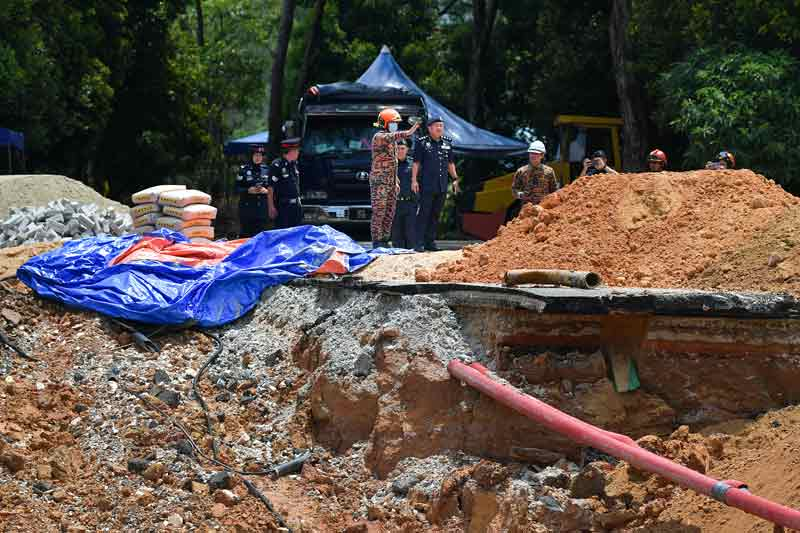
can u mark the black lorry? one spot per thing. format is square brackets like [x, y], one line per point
[336, 124]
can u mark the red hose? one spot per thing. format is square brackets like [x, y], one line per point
[584, 433]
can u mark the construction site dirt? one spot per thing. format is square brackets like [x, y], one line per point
[350, 376]
[732, 229]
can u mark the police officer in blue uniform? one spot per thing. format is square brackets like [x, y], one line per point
[404, 227]
[433, 163]
[251, 184]
[284, 182]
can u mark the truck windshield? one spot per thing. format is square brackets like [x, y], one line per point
[336, 134]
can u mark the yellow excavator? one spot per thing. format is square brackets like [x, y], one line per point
[578, 136]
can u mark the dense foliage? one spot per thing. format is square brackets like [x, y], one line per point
[123, 94]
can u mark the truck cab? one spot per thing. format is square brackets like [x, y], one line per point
[336, 123]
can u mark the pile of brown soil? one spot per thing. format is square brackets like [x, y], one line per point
[650, 230]
[761, 453]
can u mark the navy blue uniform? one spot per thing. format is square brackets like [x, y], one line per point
[404, 234]
[433, 178]
[253, 214]
[284, 178]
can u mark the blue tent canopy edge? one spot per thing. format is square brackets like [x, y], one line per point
[12, 138]
[469, 140]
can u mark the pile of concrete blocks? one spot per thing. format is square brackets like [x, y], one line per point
[61, 220]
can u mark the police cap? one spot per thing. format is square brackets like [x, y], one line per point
[290, 144]
[256, 149]
[434, 120]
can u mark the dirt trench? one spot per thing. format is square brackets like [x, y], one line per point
[358, 378]
[397, 395]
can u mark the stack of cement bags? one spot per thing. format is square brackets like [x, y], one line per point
[176, 208]
[58, 220]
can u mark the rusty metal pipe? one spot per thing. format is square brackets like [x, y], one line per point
[568, 278]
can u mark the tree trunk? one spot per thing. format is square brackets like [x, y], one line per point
[201, 33]
[276, 88]
[311, 49]
[484, 14]
[629, 90]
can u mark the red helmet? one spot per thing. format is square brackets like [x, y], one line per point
[386, 116]
[657, 155]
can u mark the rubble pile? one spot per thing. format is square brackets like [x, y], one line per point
[60, 219]
[357, 380]
[668, 229]
[39, 189]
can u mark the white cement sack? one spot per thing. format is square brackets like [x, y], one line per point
[177, 224]
[146, 220]
[191, 212]
[183, 198]
[150, 196]
[207, 232]
[144, 209]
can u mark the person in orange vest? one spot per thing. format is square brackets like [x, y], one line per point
[383, 182]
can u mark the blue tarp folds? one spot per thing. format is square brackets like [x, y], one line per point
[468, 138]
[384, 73]
[12, 138]
[168, 293]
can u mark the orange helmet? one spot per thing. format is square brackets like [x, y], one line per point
[657, 155]
[386, 116]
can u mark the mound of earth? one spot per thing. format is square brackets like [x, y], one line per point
[36, 190]
[669, 229]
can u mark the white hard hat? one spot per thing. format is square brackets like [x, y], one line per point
[537, 146]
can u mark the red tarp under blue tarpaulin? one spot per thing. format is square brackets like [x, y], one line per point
[83, 273]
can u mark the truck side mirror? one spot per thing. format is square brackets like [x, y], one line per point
[288, 128]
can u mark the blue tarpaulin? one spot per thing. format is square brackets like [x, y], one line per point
[78, 274]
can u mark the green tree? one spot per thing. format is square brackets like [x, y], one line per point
[746, 101]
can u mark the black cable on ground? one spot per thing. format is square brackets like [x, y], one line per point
[199, 397]
[251, 488]
[14, 348]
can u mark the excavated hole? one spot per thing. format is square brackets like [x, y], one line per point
[378, 373]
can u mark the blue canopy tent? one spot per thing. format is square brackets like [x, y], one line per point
[469, 140]
[11, 140]
[242, 146]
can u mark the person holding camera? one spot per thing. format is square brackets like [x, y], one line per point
[383, 182]
[251, 184]
[598, 164]
[535, 180]
[724, 160]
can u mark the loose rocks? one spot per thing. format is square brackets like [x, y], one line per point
[60, 219]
